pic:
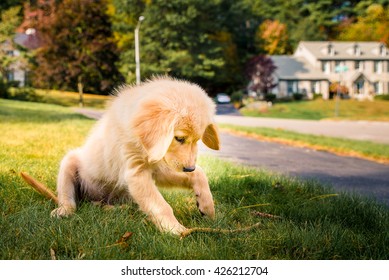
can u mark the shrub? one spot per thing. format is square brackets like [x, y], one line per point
[382, 97]
[23, 94]
[270, 97]
[237, 96]
[317, 96]
[4, 88]
[298, 96]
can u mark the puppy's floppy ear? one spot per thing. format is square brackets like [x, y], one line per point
[155, 128]
[211, 137]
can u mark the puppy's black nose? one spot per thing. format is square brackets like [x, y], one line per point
[189, 169]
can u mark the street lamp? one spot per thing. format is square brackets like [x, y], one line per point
[137, 60]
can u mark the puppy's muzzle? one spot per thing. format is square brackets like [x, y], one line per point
[189, 169]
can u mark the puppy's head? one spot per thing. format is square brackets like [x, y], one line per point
[172, 121]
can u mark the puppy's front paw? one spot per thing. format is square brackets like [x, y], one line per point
[62, 211]
[169, 225]
[177, 229]
[206, 206]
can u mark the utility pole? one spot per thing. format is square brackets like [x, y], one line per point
[80, 91]
[137, 58]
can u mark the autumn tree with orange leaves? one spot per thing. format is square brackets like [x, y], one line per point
[372, 26]
[272, 37]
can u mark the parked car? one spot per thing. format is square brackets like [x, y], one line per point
[222, 98]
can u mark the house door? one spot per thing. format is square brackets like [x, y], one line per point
[359, 86]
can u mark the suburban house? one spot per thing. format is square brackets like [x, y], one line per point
[361, 67]
[17, 70]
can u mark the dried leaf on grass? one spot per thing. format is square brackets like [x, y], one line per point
[125, 237]
[122, 240]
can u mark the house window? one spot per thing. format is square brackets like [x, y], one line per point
[377, 66]
[358, 65]
[292, 87]
[375, 85]
[378, 88]
[340, 66]
[382, 50]
[357, 50]
[315, 86]
[10, 76]
[326, 67]
[330, 49]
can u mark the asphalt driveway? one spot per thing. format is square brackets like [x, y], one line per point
[343, 173]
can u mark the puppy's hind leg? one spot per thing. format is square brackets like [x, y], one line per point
[67, 183]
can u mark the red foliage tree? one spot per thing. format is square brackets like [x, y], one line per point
[259, 70]
[78, 45]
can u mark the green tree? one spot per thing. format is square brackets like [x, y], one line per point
[188, 39]
[176, 39]
[6, 4]
[10, 20]
[78, 45]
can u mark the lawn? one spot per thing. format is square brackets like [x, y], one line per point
[377, 110]
[310, 221]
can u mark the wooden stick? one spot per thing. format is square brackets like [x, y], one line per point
[218, 230]
[38, 186]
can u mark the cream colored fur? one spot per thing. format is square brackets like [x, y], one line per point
[147, 138]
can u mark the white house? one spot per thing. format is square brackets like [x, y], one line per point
[362, 67]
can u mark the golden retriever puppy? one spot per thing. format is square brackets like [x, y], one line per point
[147, 138]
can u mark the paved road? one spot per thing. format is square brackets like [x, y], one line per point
[343, 173]
[357, 130]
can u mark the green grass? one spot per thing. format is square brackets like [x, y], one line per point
[316, 222]
[365, 149]
[63, 98]
[318, 109]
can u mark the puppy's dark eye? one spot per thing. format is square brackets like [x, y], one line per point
[180, 139]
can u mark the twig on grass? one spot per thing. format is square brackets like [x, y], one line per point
[218, 230]
[324, 196]
[38, 186]
[229, 231]
[265, 215]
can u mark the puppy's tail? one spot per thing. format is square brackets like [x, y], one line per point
[38, 186]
